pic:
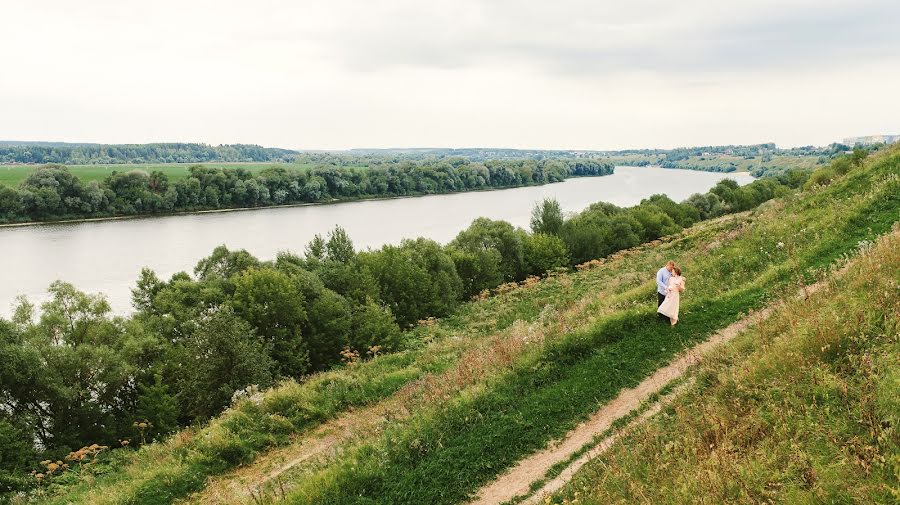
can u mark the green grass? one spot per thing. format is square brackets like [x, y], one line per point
[600, 336]
[443, 455]
[13, 175]
[803, 409]
[447, 456]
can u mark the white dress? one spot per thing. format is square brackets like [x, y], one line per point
[670, 305]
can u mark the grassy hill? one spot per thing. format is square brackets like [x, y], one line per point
[501, 377]
[803, 409]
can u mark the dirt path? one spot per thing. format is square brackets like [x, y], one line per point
[517, 481]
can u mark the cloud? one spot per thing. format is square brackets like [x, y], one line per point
[597, 38]
[378, 73]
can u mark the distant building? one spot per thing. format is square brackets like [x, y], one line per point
[872, 139]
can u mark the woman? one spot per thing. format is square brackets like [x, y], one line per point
[669, 307]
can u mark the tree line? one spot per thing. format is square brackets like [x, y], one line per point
[54, 192]
[75, 375]
[90, 154]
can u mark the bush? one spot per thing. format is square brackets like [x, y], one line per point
[545, 252]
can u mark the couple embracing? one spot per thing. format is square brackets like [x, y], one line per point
[669, 286]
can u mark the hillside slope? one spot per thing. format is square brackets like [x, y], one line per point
[505, 375]
[802, 409]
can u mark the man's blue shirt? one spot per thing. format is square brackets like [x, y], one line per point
[662, 280]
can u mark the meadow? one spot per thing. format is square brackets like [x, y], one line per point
[802, 409]
[720, 161]
[504, 375]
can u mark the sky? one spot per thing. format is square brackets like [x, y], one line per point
[561, 74]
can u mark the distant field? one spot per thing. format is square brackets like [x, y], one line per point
[13, 175]
[744, 164]
[740, 163]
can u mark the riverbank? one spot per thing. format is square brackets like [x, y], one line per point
[106, 256]
[334, 201]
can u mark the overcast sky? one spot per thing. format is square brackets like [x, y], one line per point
[568, 74]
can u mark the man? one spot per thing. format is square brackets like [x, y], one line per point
[662, 282]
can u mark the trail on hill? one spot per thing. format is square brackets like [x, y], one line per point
[517, 481]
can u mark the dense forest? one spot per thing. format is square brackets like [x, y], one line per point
[75, 375]
[91, 154]
[53, 192]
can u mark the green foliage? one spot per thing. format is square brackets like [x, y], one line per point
[274, 306]
[544, 252]
[486, 234]
[547, 217]
[803, 408]
[478, 270]
[223, 263]
[17, 457]
[53, 192]
[417, 279]
[157, 406]
[221, 356]
[79, 376]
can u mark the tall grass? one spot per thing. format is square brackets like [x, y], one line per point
[446, 452]
[804, 409]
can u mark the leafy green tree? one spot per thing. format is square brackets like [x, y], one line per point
[544, 252]
[708, 205]
[10, 203]
[478, 270]
[158, 406]
[416, 279]
[683, 214]
[67, 380]
[272, 303]
[484, 234]
[373, 325]
[339, 247]
[222, 356]
[17, 456]
[223, 263]
[146, 288]
[653, 222]
[547, 217]
[315, 250]
[330, 322]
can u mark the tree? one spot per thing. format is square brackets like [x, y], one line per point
[222, 356]
[708, 205]
[157, 406]
[315, 250]
[547, 217]
[148, 285]
[373, 325]
[478, 270]
[328, 328]
[544, 252]
[339, 246]
[10, 204]
[223, 263]
[273, 304]
[416, 279]
[484, 234]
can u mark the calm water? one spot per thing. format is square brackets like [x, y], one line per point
[107, 256]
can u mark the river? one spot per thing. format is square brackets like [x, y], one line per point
[106, 256]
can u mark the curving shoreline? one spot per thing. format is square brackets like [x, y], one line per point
[286, 205]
